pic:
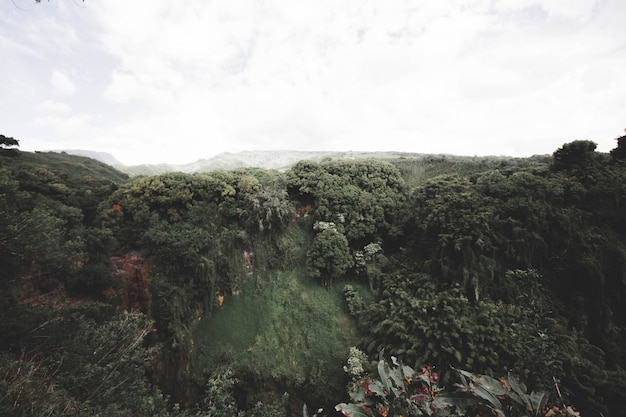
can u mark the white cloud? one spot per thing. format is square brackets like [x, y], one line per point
[456, 76]
[51, 107]
[62, 83]
[74, 128]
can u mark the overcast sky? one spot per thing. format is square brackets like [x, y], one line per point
[176, 81]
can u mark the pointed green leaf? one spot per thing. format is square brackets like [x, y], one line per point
[515, 397]
[520, 389]
[459, 399]
[490, 384]
[353, 410]
[377, 388]
[538, 401]
[397, 381]
[384, 372]
[408, 372]
[486, 395]
[358, 394]
[464, 383]
[465, 373]
[516, 385]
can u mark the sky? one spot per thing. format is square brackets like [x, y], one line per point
[163, 81]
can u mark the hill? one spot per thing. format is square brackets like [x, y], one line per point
[279, 160]
[71, 167]
[103, 157]
[283, 160]
[239, 291]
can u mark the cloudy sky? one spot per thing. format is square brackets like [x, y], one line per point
[175, 81]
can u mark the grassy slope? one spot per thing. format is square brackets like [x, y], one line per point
[283, 327]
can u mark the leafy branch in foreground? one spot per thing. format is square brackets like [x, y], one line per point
[509, 396]
[401, 391]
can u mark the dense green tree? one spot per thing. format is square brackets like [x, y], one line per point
[369, 262]
[441, 326]
[329, 257]
[47, 233]
[267, 210]
[87, 367]
[8, 142]
[456, 233]
[576, 154]
[619, 152]
[219, 395]
[363, 198]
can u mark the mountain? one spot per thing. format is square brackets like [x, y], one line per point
[278, 160]
[271, 160]
[103, 157]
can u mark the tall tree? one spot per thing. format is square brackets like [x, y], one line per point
[576, 154]
[329, 257]
[8, 142]
[620, 151]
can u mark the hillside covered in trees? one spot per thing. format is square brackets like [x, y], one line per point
[254, 292]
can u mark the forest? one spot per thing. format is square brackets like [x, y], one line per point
[435, 285]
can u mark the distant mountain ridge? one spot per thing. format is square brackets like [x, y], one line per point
[278, 160]
[103, 157]
[272, 160]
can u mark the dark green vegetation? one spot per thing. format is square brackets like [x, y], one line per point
[241, 292]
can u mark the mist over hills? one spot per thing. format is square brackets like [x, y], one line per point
[246, 159]
[273, 160]
[103, 157]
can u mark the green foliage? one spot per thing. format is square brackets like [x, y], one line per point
[416, 170]
[26, 390]
[356, 305]
[458, 232]
[293, 245]
[509, 397]
[401, 391]
[579, 153]
[179, 243]
[561, 222]
[277, 409]
[363, 198]
[369, 262]
[47, 231]
[219, 396]
[329, 257]
[195, 229]
[268, 210]
[281, 330]
[441, 326]
[107, 364]
[619, 152]
[86, 368]
[487, 264]
[357, 365]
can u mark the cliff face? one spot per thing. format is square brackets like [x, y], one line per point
[131, 279]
